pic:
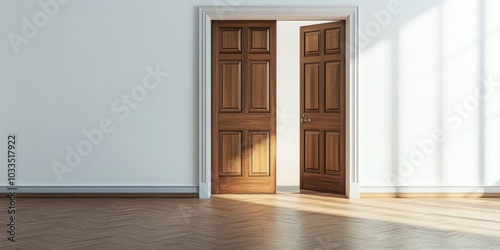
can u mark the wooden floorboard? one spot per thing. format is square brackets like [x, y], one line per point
[282, 221]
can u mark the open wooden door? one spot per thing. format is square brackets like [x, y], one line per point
[243, 107]
[322, 107]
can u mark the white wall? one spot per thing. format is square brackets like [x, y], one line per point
[418, 78]
[288, 102]
[65, 79]
[418, 73]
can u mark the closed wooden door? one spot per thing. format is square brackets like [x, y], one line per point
[322, 107]
[243, 107]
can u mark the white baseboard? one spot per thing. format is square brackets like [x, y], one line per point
[205, 191]
[195, 189]
[353, 190]
[430, 189]
[102, 189]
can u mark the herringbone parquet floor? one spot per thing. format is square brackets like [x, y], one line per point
[282, 221]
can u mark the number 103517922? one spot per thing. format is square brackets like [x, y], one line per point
[11, 160]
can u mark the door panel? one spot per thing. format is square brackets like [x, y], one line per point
[312, 159]
[332, 41]
[259, 75]
[243, 107]
[230, 155]
[332, 88]
[332, 152]
[231, 86]
[260, 153]
[260, 39]
[322, 105]
[230, 40]
[311, 42]
[311, 87]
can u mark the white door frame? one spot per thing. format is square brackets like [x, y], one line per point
[279, 13]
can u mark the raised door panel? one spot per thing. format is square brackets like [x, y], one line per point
[311, 80]
[311, 43]
[260, 153]
[332, 88]
[230, 40]
[332, 41]
[332, 152]
[230, 93]
[311, 151]
[260, 40]
[260, 86]
[230, 153]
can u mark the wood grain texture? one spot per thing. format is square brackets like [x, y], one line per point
[244, 101]
[311, 89]
[311, 151]
[230, 155]
[259, 86]
[284, 221]
[260, 152]
[332, 152]
[230, 87]
[230, 40]
[323, 107]
[260, 40]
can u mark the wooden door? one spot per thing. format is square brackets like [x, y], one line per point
[322, 107]
[243, 107]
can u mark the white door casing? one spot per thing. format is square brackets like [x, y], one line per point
[281, 13]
